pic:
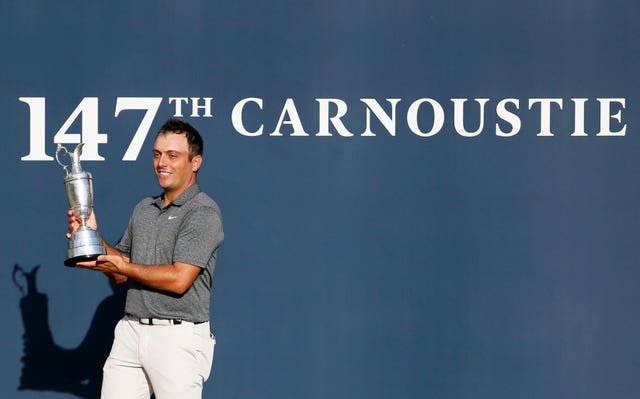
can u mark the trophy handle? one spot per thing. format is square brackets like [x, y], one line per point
[59, 149]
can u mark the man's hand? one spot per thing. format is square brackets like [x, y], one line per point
[75, 223]
[108, 264]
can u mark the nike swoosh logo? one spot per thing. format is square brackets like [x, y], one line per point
[172, 217]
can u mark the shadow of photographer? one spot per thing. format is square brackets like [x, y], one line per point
[49, 367]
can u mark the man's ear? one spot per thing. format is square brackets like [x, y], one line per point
[196, 162]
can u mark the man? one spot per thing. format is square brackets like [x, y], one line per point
[167, 255]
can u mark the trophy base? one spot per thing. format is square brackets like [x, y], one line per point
[85, 246]
[71, 262]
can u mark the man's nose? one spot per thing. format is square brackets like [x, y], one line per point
[161, 160]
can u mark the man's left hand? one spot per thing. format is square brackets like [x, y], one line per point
[106, 264]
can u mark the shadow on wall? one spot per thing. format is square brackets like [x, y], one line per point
[48, 367]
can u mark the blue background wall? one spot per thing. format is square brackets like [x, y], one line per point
[363, 267]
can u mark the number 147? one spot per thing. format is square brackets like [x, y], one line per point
[90, 135]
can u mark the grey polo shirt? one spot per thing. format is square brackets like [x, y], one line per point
[188, 230]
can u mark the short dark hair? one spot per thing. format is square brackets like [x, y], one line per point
[177, 126]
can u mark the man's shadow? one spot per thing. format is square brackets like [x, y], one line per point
[49, 367]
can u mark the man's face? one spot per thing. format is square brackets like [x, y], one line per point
[174, 169]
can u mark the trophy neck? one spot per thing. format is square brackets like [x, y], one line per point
[75, 159]
[75, 165]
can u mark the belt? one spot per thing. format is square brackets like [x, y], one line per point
[152, 321]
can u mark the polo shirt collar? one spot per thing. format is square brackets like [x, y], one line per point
[186, 195]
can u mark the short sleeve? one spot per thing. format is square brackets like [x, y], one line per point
[199, 237]
[124, 245]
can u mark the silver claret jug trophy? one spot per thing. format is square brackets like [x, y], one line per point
[85, 243]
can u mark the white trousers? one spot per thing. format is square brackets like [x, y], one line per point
[171, 361]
